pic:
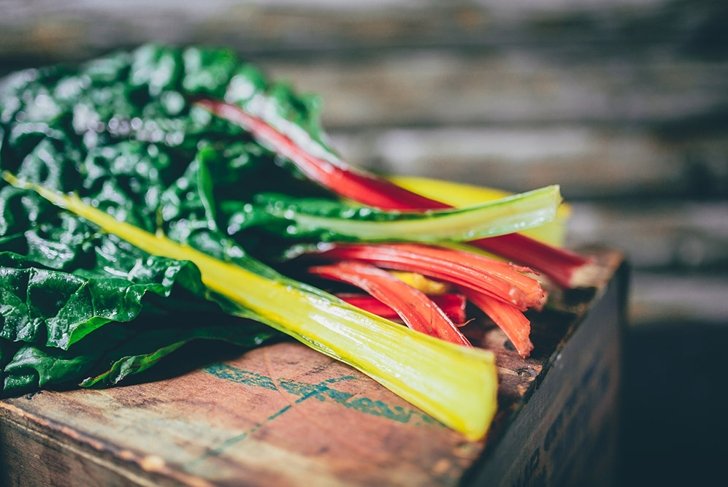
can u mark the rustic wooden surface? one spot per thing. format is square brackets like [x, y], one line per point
[278, 415]
[622, 102]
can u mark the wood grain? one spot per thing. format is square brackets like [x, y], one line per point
[295, 26]
[687, 236]
[278, 415]
[588, 162]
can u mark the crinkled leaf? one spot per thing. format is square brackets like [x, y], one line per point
[119, 351]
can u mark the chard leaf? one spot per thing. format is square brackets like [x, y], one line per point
[156, 68]
[80, 304]
[57, 309]
[120, 142]
[122, 132]
[246, 334]
[204, 189]
[208, 71]
[118, 352]
[61, 279]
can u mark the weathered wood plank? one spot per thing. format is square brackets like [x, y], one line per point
[589, 162]
[689, 236]
[508, 86]
[285, 415]
[678, 251]
[84, 27]
[457, 62]
[261, 419]
[24, 446]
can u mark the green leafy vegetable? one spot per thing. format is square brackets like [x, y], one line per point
[77, 303]
[323, 166]
[456, 384]
[132, 210]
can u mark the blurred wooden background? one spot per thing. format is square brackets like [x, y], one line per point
[622, 102]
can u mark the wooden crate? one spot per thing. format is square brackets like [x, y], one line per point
[285, 415]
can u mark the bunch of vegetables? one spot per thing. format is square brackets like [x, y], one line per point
[150, 195]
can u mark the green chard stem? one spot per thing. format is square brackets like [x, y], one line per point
[334, 221]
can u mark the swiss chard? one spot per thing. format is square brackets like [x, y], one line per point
[76, 303]
[61, 279]
[135, 209]
[322, 165]
[461, 395]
